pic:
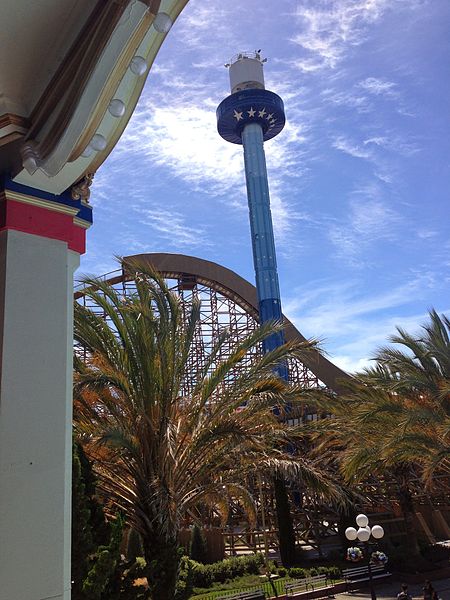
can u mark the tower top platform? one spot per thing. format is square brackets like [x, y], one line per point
[246, 71]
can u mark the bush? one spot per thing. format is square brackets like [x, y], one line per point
[271, 567]
[282, 572]
[333, 572]
[230, 568]
[202, 575]
[184, 586]
[297, 573]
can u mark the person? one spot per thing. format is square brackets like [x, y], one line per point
[428, 590]
[404, 594]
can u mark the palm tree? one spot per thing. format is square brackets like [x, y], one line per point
[417, 375]
[158, 450]
[360, 438]
[394, 421]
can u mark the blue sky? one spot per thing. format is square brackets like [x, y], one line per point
[359, 177]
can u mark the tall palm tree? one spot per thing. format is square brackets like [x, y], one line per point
[159, 451]
[394, 422]
[417, 374]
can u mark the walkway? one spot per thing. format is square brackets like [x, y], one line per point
[389, 591]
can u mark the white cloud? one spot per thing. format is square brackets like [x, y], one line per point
[172, 227]
[349, 99]
[345, 145]
[368, 219]
[394, 144]
[426, 234]
[204, 25]
[351, 323]
[182, 137]
[349, 364]
[329, 29]
[179, 134]
[376, 86]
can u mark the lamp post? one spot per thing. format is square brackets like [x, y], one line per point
[363, 534]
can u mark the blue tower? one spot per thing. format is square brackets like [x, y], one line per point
[250, 116]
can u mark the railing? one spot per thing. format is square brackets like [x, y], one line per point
[266, 586]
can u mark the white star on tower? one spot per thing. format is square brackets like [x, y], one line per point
[261, 113]
[269, 116]
[238, 115]
[251, 112]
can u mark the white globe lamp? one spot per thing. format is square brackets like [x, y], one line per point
[351, 533]
[363, 534]
[377, 532]
[362, 520]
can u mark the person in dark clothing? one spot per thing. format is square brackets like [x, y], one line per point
[428, 590]
[404, 594]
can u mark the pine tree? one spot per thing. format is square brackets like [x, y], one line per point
[198, 546]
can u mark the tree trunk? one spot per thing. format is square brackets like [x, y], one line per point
[407, 506]
[163, 560]
[286, 535]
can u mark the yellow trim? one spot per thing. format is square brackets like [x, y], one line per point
[81, 223]
[48, 204]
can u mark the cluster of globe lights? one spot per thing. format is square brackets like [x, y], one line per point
[364, 532]
[138, 66]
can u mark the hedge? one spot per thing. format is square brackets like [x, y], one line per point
[205, 575]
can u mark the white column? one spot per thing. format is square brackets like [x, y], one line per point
[36, 295]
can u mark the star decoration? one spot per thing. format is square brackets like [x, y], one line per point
[261, 113]
[269, 116]
[251, 112]
[238, 115]
[272, 121]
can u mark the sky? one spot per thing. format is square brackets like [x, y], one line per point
[359, 177]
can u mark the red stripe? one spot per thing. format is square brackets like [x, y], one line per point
[43, 222]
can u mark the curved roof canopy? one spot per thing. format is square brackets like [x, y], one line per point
[61, 64]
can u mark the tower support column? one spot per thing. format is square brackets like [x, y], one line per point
[263, 243]
[250, 116]
[41, 239]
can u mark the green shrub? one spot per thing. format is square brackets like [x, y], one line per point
[333, 572]
[270, 566]
[282, 572]
[297, 573]
[184, 587]
[106, 560]
[202, 575]
[230, 568]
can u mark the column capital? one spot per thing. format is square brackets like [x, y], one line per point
[64, 217]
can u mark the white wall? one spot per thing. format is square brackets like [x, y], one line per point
[36, 292]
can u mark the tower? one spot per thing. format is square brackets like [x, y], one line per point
[250, 116]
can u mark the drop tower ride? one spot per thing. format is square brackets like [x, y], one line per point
[250, 116]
